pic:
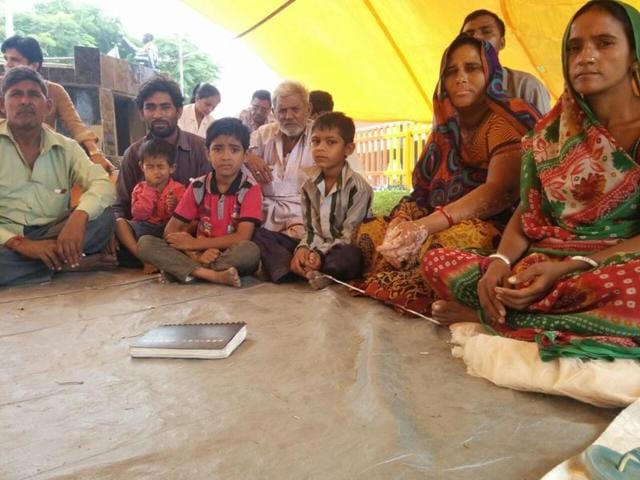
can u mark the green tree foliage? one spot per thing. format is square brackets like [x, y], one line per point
[197, 65]
[59, 25]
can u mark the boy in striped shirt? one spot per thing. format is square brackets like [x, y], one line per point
[335, 201]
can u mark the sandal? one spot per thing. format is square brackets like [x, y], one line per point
[605, 464]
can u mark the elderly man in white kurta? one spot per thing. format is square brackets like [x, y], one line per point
[279, 155]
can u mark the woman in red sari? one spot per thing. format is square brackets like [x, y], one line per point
[465, 183]
[567, 268]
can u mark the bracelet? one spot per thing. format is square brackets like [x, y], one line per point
[504, 258]
[588, 260]
[446, 214]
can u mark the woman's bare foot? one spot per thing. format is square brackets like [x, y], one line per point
[451, 312]
[317, 280]
[89, 263]
[226, 277]
[149, 269]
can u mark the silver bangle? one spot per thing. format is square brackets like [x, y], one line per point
[588, 260]
[504, 258]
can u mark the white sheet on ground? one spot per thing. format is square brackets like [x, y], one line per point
[326, 386]
[516, 364]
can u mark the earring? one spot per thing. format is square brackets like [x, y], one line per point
[635, 79]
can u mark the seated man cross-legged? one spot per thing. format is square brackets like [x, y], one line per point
[39, 233]
[227, 204]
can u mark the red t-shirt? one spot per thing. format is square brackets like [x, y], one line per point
[219, 214]
[150, 205]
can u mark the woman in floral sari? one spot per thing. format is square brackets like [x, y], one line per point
[465, 183]
[574, 241]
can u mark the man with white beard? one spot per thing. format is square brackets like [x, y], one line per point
[279, 153]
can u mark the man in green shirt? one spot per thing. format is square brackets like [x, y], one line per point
[39, 233]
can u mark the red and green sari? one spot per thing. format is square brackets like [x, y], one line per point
[448, 169]
[580, 192]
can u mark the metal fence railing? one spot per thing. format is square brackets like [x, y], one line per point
[388, 152]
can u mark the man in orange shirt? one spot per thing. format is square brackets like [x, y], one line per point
[19, 50]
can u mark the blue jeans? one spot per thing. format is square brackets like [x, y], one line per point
[16, 268]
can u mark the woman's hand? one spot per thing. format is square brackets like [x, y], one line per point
[402, 242]
[538, 279]
[495, 277]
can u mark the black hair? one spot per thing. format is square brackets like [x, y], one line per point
[616, 10]
[28, 47]
[463, 39]
[147, 37]
[20, 74]
[157, 147]
[339, 121]
[262, 95]
[228, 126]
[482, 12]
[321, 101]
[160, 84]
[204, 90]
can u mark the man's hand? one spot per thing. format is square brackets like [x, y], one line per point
[299, 261]
[44, 250]
[71, 239]
[101, 160]
[182, 241]
[259, 169]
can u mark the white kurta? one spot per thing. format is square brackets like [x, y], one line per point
[281, 207]
[189, 123]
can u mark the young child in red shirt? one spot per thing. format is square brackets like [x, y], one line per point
[154, 199]
[227, 206]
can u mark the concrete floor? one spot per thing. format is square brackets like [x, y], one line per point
[326, 386]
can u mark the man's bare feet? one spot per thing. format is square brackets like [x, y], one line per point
[99, 261]
[149, 269]
[451, 312]
[317, 280]
[226, 277]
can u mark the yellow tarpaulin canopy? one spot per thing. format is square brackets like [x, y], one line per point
[380, 58]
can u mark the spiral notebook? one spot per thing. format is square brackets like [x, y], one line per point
[196, 340]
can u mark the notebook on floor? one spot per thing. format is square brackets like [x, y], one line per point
[196, 340]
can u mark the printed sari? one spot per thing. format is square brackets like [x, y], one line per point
[580, 192]
[448, 169]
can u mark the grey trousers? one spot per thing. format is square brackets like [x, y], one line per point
[244, 257]
[15, 268]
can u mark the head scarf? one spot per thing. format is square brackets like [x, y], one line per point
[579, 189]
[442, 174]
